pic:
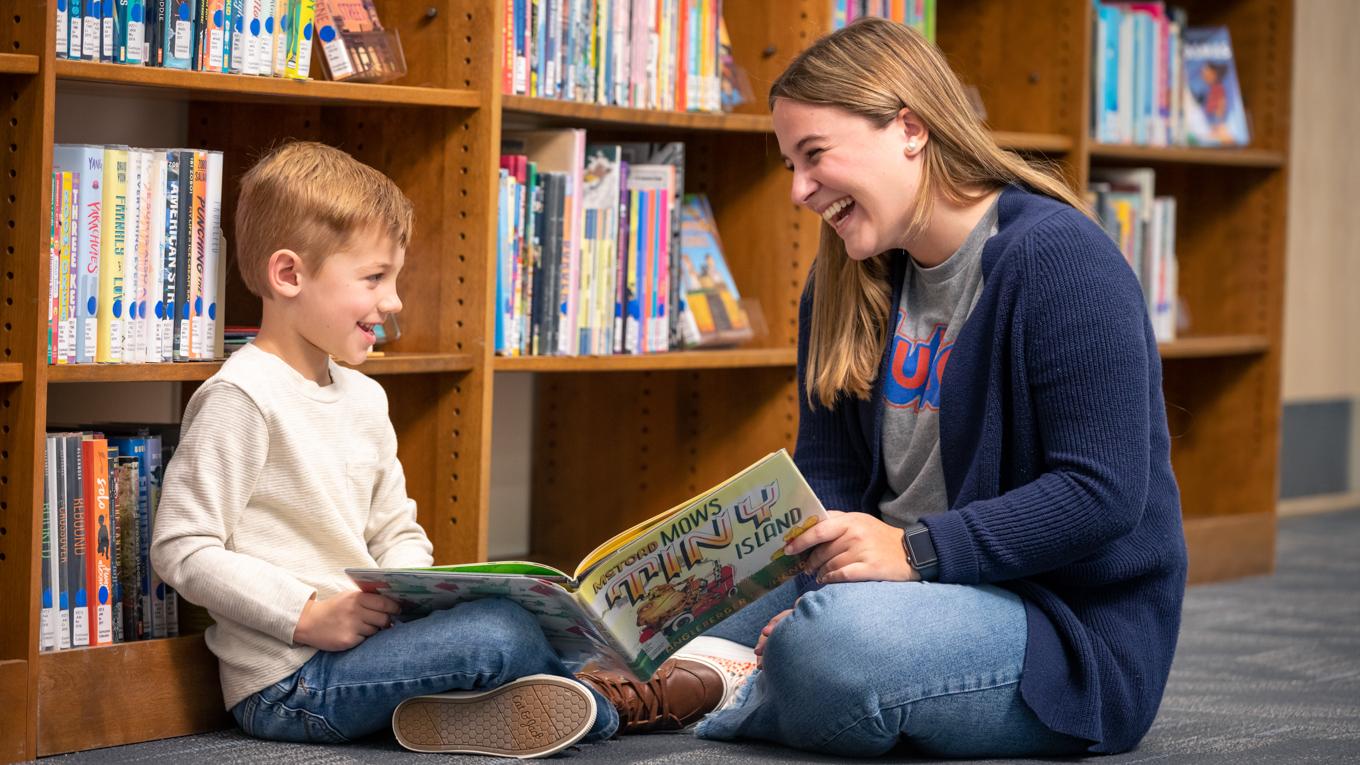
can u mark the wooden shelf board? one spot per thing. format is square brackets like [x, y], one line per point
[236, 87]
[84, 694]
[11, 372]
[1226, 157]
[550, 112]
[18, 63]
[394, 364]
[677, 361]
[1215, 346]
[1047, 143]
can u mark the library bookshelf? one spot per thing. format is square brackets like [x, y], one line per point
[615, 439]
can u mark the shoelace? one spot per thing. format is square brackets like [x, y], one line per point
[644, 706]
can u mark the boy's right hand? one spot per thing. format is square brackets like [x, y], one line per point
[341, 622]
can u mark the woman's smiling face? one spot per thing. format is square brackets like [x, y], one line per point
[861, 179]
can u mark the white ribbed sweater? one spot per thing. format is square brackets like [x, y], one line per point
[277, 486]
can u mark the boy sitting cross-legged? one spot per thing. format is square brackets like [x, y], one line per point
[287, 474]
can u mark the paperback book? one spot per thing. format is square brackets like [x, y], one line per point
[640, 596]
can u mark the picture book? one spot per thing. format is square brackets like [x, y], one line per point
[711, 297]
[640, 596]
[1214, 114]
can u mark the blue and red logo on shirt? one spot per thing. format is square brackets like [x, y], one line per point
[916, 368]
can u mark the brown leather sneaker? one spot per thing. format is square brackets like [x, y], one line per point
[681, 692]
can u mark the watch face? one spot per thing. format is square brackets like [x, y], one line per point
[922, 549]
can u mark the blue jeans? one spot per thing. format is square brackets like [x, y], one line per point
[341, 696]
[858, 668]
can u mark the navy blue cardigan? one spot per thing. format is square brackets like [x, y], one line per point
[1056, 457]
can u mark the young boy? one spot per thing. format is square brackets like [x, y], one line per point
[287, 474]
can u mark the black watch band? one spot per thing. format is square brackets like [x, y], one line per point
[920, 549]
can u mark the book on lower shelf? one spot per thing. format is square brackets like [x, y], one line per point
[641, 595]
[101, 489]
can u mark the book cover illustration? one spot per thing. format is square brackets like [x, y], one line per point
[640, 596]
[712, 299]
[1214, 114]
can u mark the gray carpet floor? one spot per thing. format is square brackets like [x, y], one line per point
[1267, 670]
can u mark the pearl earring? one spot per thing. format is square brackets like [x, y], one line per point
[911, 146]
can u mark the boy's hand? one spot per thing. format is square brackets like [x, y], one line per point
[765, 635]
[341, 622]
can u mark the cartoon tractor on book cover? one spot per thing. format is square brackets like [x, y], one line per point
[668, 608]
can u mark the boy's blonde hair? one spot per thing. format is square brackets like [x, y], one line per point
[315, 200]
[874, 68]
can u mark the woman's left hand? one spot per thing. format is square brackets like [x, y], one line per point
[854, 547]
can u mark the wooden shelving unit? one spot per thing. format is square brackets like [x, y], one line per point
[394, 364]
[235, 87]
[682, 361]
[615, 439]
[18, 63]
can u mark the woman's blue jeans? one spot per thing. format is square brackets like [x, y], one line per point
[341, 696]
[859, 668]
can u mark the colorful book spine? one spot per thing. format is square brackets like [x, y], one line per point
[298, 53]
[87, 163]
[48, 639]
[129, 551]
[92, 31]
[113, 232]
[165, 310]
[73, 478]
[99, 540]
[178, 35]
[56, 491]
[181, 306]
[65, 271]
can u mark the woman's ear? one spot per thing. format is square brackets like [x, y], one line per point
[913, 131]
[284, 274]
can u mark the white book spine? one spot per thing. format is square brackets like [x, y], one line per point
[206, 328]
[155, 282]
[130, 245]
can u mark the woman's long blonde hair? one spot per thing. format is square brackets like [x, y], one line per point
[873, 69]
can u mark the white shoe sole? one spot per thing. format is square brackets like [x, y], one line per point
[534, 716]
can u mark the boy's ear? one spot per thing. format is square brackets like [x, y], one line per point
[284, 273]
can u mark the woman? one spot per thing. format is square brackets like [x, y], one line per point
[981, 395]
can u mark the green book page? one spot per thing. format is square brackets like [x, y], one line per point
[516, 567]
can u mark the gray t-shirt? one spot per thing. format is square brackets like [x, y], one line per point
[935, 303]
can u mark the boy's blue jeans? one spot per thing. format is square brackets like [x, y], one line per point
[859, 667]
[338, 697]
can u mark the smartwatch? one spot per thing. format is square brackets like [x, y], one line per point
[921, 551]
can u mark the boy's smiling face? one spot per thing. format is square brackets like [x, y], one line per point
[352, 291]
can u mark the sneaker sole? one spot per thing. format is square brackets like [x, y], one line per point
[533, 716]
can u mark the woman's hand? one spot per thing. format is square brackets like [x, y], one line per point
[765, 635]
[854, 547]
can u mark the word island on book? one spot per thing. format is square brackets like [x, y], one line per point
[643, 594]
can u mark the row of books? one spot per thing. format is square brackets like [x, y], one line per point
[136, 255]
[1160, 82]
[644, 54]
[260, 37]
[591, 251]
[919, 14]
[99, 504]
[1144, 226]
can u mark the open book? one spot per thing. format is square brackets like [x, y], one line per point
[638, 597]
